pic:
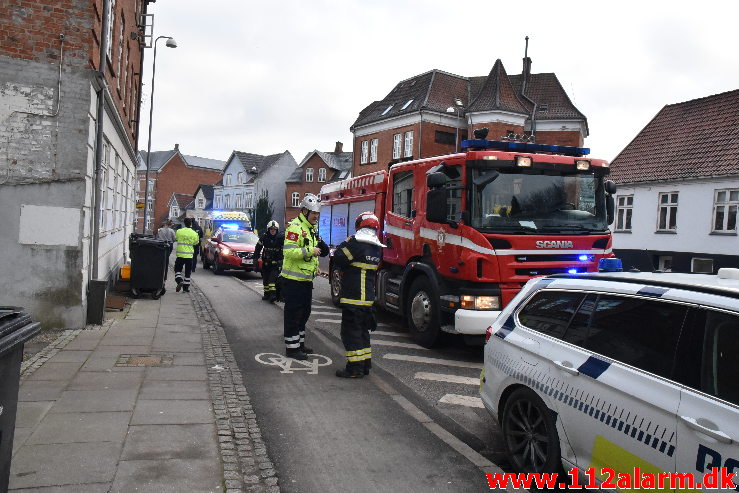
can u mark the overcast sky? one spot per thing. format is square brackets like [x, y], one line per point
[269, 76]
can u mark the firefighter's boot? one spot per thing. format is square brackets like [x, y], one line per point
[352, 370]
[305, 349]
[296, 354]
[367, 366]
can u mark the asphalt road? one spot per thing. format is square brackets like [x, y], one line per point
[329, 434]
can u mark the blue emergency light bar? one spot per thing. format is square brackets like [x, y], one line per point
[502, 145]
[229, 226]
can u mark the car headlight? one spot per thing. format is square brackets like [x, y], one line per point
[225, 251]
[470, 302]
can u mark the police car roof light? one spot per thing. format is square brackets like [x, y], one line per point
[500, 145]
[229, 226]
[610, 265]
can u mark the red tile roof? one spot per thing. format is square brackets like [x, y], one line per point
[497, 93]
[697, 138]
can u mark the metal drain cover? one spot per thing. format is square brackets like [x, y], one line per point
[137, 360]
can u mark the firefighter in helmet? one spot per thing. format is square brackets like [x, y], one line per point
[269, 247]
[358, 258]
[300, 253]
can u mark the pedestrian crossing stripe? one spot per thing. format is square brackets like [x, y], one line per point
[462, 400]
[328, 320]
[380, 342]
[386, 333]
[444, 377]
[432, 361]
[315, 312]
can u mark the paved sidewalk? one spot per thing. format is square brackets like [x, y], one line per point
[152, 402]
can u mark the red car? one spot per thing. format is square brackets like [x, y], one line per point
[230, 249]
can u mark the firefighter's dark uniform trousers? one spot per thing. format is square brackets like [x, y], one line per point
[358, 262]
[269, 248]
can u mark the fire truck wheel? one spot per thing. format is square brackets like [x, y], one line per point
[335, 282]
[423, 313]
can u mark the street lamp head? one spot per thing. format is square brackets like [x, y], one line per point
[171, 43]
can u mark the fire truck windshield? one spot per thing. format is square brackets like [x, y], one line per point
[508, 201]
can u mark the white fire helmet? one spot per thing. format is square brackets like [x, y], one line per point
[273, 224]
[311, 203]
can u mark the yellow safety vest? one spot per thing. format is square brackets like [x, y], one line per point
[186, 239]
[298, 262]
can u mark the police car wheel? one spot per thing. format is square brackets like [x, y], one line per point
[530, 433]
[217, 267]
[206, 264]
[335, 282]
[423, 313]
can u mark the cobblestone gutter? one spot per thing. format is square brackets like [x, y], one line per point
[246, 465]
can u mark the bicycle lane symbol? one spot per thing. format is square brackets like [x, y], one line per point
[290, 365]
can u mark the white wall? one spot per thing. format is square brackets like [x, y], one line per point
[694, 219]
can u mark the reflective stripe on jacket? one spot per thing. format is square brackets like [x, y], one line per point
[358, 262]
[186, 239]
[298, 262]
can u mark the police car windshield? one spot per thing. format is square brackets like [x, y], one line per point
[240, 237]
[513, 202]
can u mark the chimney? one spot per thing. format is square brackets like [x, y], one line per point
[339, 148]
[176, 147]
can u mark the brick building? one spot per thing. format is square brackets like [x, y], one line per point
[429, 114]
[171, 172]
[316, 169]
[70, 86]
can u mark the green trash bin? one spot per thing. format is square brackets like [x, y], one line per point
[16, 328]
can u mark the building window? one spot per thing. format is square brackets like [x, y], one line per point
[228, 180]
[365, 152]
[321, 174]
[701, 265]
[373, 151]
[308, 174]
[227, 201]
[296, 199]
[387, 110]
[724, 210]
[667, 212]
[444, 137]
[408, 144]
[397, 144]
[240, 177]
[249, 200]
[238, 201]
[665, 263]
[403, 193]
[174, 212]
[407, 104]
[624, 209]
[201, 203]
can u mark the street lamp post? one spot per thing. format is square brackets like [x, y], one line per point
[171, 43]
[457, 108]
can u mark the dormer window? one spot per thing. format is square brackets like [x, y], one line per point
[406, 104]
[387, 109]
[543, 108]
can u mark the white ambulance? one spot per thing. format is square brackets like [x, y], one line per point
[618, 370]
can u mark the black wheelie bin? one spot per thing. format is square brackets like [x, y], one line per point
[16, 328]
[148, 265]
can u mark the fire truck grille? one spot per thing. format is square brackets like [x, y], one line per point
[245, 254]
[567, 257]
[545, 271]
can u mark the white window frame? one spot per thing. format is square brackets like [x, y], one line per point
[408, 144]
[670, 208]
[295, 198]
[624, 212]
[227, 202]
[238, 201]
[174, 211]
[321, 174]
[365, 152]
[309, 175]
[397, 145]
[727, 208]
[249, 200]
[201, 203]
[701, 271]
[228, 180]
[240, 177]
[374, 144]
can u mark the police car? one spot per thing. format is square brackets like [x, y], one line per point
[618, 370]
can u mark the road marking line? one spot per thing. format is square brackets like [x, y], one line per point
[380, 342]
[316, 312]
[443, 377]
[433, 361]
[328, 320]
[462, 400]
[389, 334]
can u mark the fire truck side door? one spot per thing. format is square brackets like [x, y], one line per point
[399, 217]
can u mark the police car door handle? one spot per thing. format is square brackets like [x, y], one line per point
[717, 434]
[566, 368]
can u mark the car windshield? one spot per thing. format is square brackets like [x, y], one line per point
[240, 237]
[509, 201]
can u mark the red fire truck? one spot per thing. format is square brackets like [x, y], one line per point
[464, 232]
